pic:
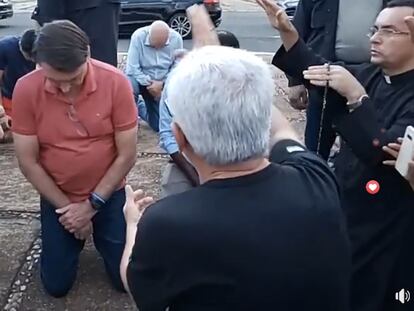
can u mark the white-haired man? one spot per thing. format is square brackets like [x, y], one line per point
[150, 59]
[243, 239]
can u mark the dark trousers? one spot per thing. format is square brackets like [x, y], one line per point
[101, 25]
[152, 113]
[313, 114]
[60, 248]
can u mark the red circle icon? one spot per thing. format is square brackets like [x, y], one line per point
[372, 187]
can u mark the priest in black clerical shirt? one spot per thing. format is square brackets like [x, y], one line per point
[371, 106]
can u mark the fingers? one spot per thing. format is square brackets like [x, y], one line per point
[400, 140]
[261, 4]
[133, 196]
[389, 162]
[272, 6]
[145, 203]
[319, 73]
[390, 151]
[63, 210]
[138, 195]
[322, 83]
[394, 146]
[129, 194]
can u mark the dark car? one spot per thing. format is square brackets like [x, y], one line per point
[6, 9]
[139, 13]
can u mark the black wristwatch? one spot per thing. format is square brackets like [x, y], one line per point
[96, 201]
[352, 106]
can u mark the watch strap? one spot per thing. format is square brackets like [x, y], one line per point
[96, 201]
[352, 106]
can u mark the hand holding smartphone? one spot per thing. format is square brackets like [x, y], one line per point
[406, 153]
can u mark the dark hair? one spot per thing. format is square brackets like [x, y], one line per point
[400, 3]
[227, 38]
[27, 40]
[62, 45]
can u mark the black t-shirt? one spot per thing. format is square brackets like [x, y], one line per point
[272, 240]
[13, 63]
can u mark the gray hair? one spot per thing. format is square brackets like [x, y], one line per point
[221, 98]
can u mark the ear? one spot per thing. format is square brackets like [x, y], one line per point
[180, 138]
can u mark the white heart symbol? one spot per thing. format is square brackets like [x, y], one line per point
[372, 187]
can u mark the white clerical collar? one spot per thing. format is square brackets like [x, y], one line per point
[387, 79]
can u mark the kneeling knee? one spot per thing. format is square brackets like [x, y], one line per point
[57, 288]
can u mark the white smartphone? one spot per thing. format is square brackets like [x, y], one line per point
[406, 152]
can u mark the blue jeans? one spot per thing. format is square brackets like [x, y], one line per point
[151, 112]
[60, 248]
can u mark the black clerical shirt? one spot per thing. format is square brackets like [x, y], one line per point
[380, 225]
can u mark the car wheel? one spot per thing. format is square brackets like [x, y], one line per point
[180, 23]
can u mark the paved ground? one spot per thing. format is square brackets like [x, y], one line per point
[20, 288]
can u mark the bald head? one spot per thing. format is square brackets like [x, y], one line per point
[158, 34]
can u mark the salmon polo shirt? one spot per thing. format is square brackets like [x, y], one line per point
[76, 139]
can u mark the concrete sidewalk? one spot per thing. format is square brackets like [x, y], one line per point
[20, 287]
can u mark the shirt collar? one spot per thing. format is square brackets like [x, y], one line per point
[402, 78]
[89, 83]
[147, 40]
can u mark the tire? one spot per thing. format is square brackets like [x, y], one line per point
[180, 23]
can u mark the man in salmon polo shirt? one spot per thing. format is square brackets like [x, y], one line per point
[75, 134]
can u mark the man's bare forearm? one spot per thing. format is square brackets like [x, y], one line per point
[131, 233]
[45, 185]
[113, 177]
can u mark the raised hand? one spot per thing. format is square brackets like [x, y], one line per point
[202, 27]
[276, 15]
[135, 204]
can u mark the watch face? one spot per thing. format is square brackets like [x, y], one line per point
[94, 204]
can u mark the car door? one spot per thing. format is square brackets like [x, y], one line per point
[144, 12]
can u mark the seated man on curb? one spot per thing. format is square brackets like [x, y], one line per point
[75, 135]
[150, 59]
[244, 239]
[179, 175]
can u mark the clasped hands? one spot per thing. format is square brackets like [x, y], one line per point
[77, 219]
[155, 88]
